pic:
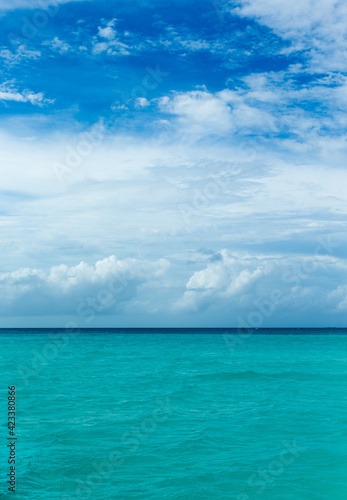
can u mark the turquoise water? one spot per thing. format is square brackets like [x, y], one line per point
[178, 416]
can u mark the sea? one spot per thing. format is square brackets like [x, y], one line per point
[179, 414]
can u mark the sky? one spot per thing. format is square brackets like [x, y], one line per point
[171, 164]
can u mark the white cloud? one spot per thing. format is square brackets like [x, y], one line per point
[268, 105]
[148, 189]
[112, 48]
[200, 111]
[316, 26]
[6, 5]
[131, 203]
[141, 103]
[159, 196]
[107, 42]
[180, 40]
[339, 297]
[260, 289]
[100, 47]
[113, 42]
[99, 288]
[21, 53]
[125, 196]
[267, 286]
[108, 31]
[58, 45]
[9, 93]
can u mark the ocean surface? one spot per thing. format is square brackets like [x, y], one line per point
[179, 415]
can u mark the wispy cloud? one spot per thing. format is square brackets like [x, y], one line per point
[109, 32]
[107, 41]
[316, 28]
[21, 53]
[8, 5]
[8, 92]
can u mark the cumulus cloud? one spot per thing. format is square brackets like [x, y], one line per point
[225, 277]
[268, 285]
[258, 289]
[82, 289]
[200, 111]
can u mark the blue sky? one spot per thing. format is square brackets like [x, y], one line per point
[173, 163]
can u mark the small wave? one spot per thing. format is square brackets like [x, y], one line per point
[250, 374]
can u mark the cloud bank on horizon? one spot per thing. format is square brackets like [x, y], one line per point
[176, 164]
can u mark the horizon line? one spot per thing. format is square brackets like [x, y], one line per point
[182, 328]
